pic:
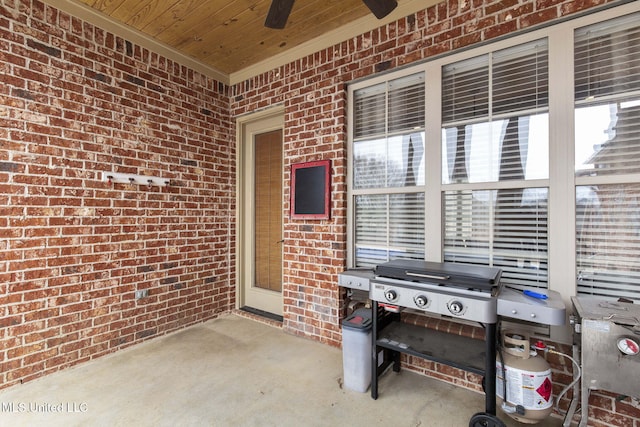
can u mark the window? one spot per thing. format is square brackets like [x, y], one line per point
[607, 157]
[496, 155]
[495, 151]
[388, 170]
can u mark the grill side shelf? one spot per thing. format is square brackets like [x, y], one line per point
[453, 350]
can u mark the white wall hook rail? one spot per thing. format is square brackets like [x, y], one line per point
[127, 178]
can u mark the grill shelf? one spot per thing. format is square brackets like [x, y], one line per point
[460, 352]
[392, 337]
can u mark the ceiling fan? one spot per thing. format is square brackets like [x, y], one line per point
[280, 10]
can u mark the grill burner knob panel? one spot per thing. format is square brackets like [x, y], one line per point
[456, 308]
[391, 295]
[469, 304]
[421, 301]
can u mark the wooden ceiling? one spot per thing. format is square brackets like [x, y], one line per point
[229, 35]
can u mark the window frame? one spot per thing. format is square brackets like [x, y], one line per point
[352, 193]
[485, 74]
[561, 181]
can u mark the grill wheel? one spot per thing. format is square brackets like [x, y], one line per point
[482, 419]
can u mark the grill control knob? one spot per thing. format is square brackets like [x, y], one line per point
[456, 307]
[391, 295]
[421, 300]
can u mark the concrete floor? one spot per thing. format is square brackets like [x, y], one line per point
[232, 371]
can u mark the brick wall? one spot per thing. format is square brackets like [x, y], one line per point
[76, 101]
[313, 91]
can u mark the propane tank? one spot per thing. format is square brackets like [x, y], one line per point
[528, 380]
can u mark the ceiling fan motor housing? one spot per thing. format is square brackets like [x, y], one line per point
[280, 10]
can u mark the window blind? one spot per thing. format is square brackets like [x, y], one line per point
[465, 90]
[495, 129]
[406, 103]
[505, 81]
[608, 240]
[369, 111]
[607, 144]
[389, 153]
[495, 116]
[394, 106]
[501, 228]
[520, 78]
[388, 226]
[607, 58]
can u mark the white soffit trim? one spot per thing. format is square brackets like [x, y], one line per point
[331, 38]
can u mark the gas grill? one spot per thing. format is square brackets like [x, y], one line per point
[461, 292]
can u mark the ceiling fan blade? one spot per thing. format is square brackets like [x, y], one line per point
[278, 14]
[381, 8]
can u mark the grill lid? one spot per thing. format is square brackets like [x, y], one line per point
[595, 308]
[442, 273]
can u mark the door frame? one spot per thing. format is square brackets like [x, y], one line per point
[247, 126]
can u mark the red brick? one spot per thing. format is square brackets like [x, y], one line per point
[500, 29]
[97, 235]
[628, 408]
[538, 17]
